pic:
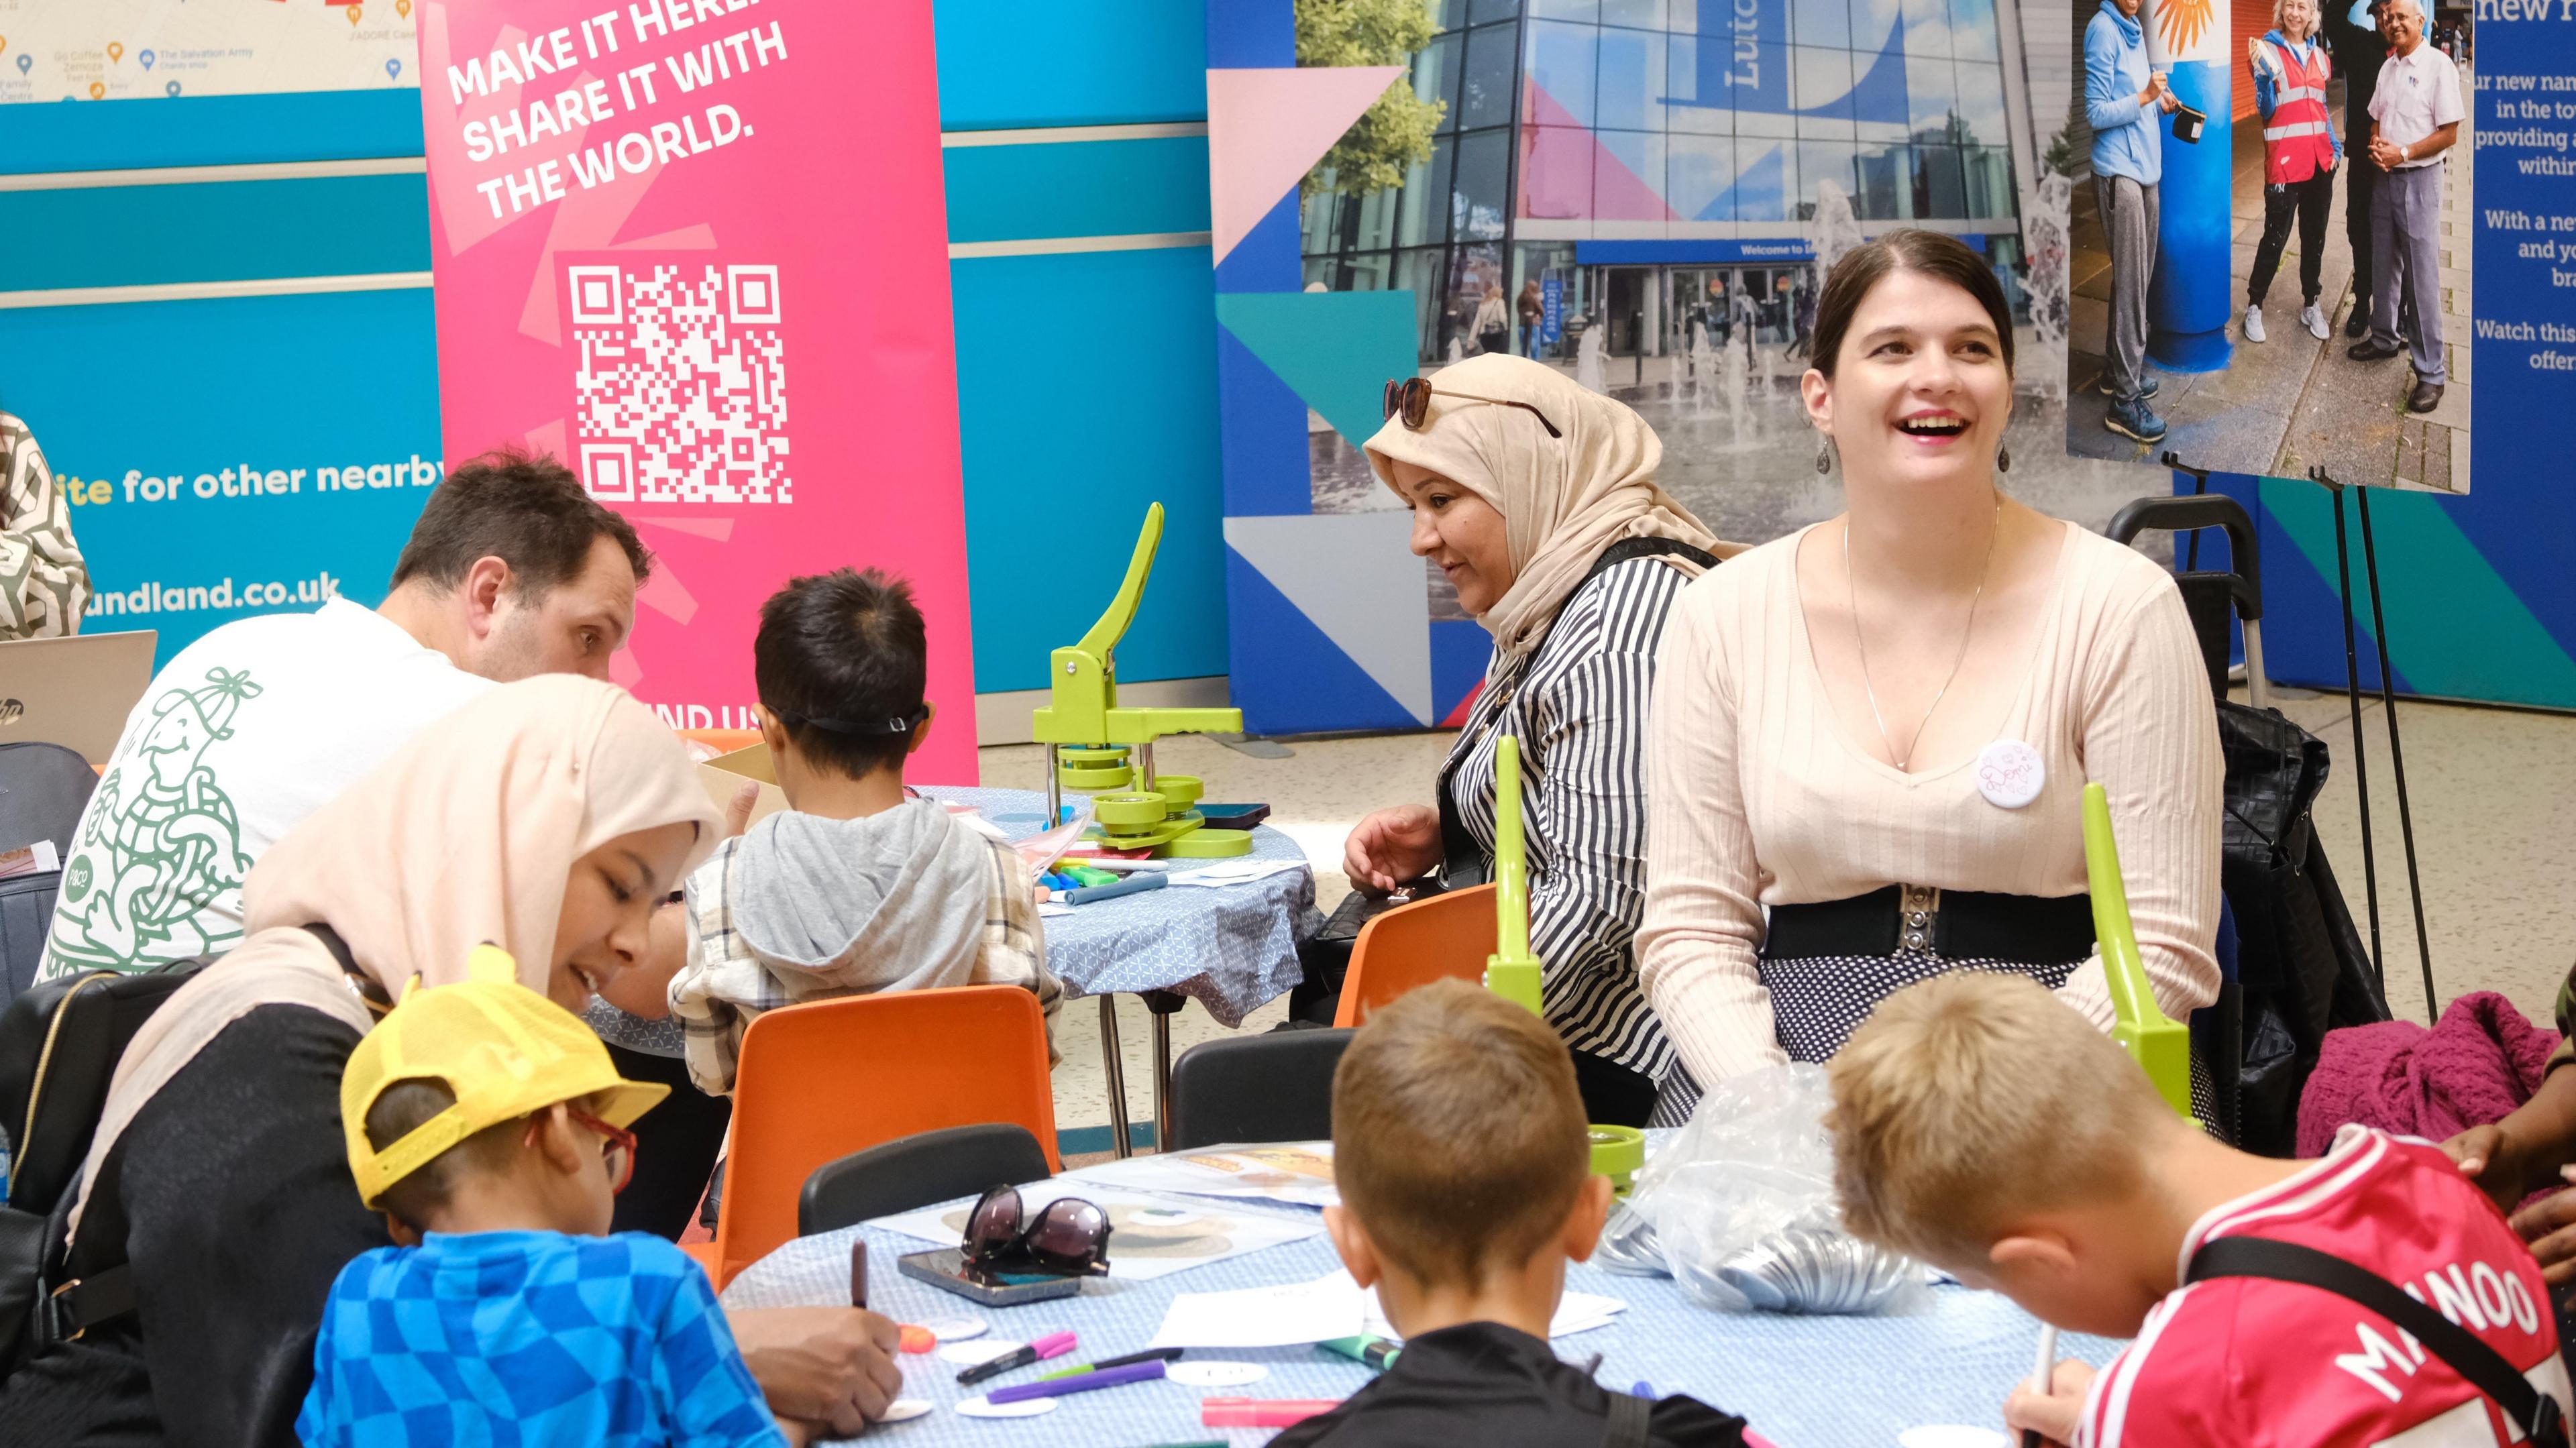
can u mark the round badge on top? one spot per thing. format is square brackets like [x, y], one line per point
[2009, 774]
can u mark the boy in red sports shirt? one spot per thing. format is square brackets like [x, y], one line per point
[1982, 1126]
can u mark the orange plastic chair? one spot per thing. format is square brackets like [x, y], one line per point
[822, 1080]
[1446, 937]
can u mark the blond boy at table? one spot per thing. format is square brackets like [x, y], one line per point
[859, 885]
[1465, 1172]
[1982, 1126]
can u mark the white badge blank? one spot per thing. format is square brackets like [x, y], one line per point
[1951, 1435]
[1024, 1408]
[2009, 774]
[976, 1354]
[1215, 1374]
[904, 1410]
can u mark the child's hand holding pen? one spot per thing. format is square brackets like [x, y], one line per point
[2053, 1415]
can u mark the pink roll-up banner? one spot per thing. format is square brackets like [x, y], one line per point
[698, 250]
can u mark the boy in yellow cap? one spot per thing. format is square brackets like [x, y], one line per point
[489, 1126]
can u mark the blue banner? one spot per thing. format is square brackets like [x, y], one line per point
[230, 457]
[2522, 114]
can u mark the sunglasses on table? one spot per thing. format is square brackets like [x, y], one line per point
[1410, 398]
[1069, 1237]
[617, 1144]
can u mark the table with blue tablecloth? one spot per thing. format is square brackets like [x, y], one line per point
[1232, 948]
[1804, 1382]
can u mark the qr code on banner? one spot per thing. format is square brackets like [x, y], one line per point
[683, 383]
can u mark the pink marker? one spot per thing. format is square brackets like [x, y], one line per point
[1054, 1344]
[1261, 1412]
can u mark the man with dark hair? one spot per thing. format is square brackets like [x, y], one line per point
[512, 571]
[859, 885]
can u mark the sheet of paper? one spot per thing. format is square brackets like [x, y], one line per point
[1575, 1312]
[1235, 872]
[1295, 1173]
[1150, 1236]
[1287, 1315]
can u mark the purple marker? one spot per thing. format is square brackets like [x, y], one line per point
[1080, 1383]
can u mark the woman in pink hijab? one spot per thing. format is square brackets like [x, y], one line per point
[549, 816]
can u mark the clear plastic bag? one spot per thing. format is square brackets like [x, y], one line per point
[1739, 1209]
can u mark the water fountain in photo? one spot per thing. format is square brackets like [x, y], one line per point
[2044, 238]
[1833, 230]
[1591, 368]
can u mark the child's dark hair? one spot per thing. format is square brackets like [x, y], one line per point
[410, 1103]
[842, 660]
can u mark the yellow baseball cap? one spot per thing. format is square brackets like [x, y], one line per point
[503, 1050]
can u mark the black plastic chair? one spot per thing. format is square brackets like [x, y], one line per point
[2214, 600]
[1273, 1087]
[917, 1171]
[42, 790]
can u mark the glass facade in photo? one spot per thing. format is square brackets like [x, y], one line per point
[1656, 166]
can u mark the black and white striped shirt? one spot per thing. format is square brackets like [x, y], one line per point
[1580, 712]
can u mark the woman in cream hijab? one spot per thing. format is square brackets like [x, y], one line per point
[549, 816]
[1536, 498]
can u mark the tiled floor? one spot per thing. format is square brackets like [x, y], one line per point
[2492, 794]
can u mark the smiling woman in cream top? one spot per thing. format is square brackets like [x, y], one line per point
[1879, 728]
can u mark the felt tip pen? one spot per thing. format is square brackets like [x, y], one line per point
[2042, 1373]
[1079, 1383]
[1151, 1354]
[1261, 1412]
[1375, 1352]
[1133, 884]
[1054, 1344]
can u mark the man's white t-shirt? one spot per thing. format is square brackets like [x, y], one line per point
[239, 737]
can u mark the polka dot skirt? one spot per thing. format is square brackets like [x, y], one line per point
[1818, 1001]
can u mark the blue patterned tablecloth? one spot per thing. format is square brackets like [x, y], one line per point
[1233, 947]
[1804, 1382]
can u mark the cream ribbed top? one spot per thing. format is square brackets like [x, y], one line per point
[1759, 797]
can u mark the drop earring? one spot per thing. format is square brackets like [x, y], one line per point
[2003, 457]
[1825, 456]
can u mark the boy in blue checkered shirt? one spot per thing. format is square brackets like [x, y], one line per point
[489, 1126]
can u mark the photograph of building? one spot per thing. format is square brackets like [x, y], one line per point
[1646, 194]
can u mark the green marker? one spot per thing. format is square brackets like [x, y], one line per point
[1374, 1353]
[2160, 1044]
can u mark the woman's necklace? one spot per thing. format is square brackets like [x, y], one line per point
[1851, 590]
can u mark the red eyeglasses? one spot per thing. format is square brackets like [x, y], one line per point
[618, 1145]
[1410, 399]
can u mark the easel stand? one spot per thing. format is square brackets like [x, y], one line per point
[2396, 747]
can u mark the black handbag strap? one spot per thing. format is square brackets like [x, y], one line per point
[2535, 1413]
[1464, 862]
[1630, 1418]
[107, 1293]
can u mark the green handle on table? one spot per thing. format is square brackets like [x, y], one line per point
[1082, 705]
[1511, 972]
[2159, 1044]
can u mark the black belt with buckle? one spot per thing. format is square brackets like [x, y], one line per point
[1956, 924]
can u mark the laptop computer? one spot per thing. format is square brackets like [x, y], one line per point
[74, 691]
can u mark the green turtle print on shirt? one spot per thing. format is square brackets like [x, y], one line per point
[158, 845]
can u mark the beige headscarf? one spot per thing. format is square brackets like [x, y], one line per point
[466, 834]
[1563, 500]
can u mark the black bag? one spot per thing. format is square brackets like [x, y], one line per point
[2536, 1414]
[2300, 962]
[59, 1046]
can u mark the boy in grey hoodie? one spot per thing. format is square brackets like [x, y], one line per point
[859, 885]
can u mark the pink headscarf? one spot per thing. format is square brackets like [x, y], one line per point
[464, 835]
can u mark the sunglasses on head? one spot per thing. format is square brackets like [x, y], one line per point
[1068, 1238]
[1410, 398]
[617, 1144]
